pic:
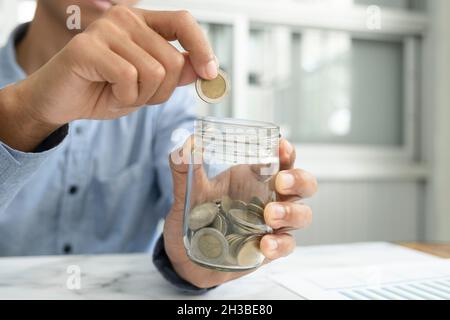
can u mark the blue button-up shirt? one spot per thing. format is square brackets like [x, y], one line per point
[101, 188]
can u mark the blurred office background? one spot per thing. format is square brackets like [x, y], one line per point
[360, 86]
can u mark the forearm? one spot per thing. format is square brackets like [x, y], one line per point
[18, 128]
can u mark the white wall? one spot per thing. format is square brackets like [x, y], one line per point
[364, 211]
[437, 111]
[8, 18]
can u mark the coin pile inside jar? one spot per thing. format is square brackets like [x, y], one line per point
[228, 231]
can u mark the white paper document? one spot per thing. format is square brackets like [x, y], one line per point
[362, 272]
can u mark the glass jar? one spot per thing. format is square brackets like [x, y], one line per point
[232, 165]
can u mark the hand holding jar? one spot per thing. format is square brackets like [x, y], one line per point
[237, 194]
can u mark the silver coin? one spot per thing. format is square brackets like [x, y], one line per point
[225, 204]
[231, 260]
[226, 224]
[252, 230]
[238, 204]
[234, 240]
[255, 208]
[249, 253]
[246, 218]
[257, 201]
[209, 245]
[234, 236]
[250, 222]
[233, 244]
[202, 215]
[220, 223]
[243, 230]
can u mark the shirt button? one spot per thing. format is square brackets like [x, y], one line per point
[73, 189]
[67, 248]
[78, 130]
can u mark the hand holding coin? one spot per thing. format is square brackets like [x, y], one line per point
[215, 90]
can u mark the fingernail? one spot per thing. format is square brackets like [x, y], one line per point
[288, 147]
[278, 212]
[273, 244]
[217, 62]
[287, 181]
[211, 69]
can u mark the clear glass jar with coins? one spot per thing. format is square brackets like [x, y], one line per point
[231, 169]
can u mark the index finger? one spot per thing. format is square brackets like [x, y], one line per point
[296, 182]
[287, 155]
[182, 26]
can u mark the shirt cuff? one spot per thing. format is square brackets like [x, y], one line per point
[12, 159]
[164, 266]
[53, 140]
[17, 166]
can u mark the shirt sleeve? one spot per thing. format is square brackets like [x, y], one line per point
[16, 167]
[164, 266]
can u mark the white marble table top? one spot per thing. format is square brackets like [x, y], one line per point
[133, 276]
[125, 276]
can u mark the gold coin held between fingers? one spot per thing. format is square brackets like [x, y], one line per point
[213, 91]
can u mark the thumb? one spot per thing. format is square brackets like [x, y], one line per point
[181, 161]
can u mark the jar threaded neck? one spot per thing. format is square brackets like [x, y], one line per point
[237, 141]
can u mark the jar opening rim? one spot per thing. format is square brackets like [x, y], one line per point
[239, 122]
